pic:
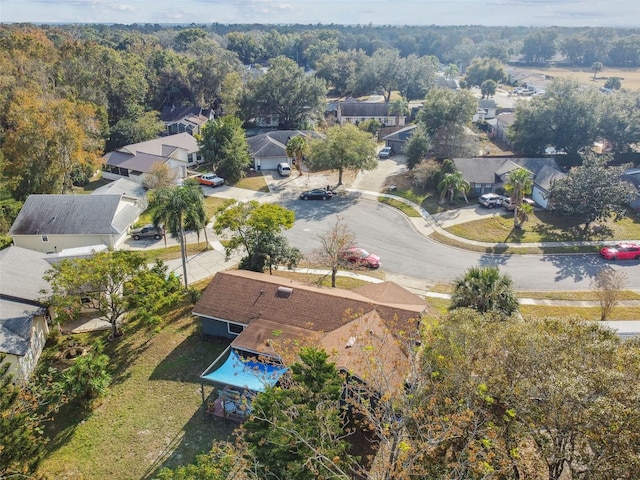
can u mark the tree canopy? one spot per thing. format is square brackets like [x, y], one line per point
[285, 92]
[343, 148]
[486, 290]
[592, 191]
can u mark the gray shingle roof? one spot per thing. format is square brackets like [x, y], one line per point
[73, 214]
[546, 176]
[124, 187]
[363, 109]
[274, 144]
[21, 272]
[485, 169]
[401, 135]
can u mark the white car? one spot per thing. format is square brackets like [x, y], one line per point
[491, 200]
[210, 179]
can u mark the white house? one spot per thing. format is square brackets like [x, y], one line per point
[51, 223]
[23, 317]
[356, 112]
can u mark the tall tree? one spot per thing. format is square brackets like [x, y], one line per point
[333, 243]
[417, 147]
[519, 183]
[567, 117]
[486, 290]
[285, 92]
[255, 227]
[101, 278]
[483, 69]
[416, 76]
[297, 433]
[488, 88]
[344, 147]
[399, 108]
[592, 191]
[297, 148]
[224, 144]
[46, 139]
[596, 68]
[176, 208]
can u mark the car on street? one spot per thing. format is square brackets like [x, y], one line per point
[491, 200]
[317, 194]
[508, 205]
[621, 251]
[148, 231]
[211, 180]
[361, 257]
[385, 152]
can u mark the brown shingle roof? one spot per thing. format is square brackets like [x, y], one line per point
[364, 330]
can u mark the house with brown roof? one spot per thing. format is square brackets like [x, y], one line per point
[270, 317]
[136, 161]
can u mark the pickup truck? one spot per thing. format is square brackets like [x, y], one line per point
[210, 179]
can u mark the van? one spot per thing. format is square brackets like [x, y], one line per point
[284, 169]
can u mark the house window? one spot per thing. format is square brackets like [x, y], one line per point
[45, 238]
[235, 328]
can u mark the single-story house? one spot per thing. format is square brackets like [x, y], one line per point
[398, 139]
[543, 182]
[51, 223]
[185, 119]
[266, 318]
[134, 162]
[489, 174]
[130, 192]
[356, 112]
[23, 316]
[269, 149]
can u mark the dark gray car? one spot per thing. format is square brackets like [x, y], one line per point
[148, 231]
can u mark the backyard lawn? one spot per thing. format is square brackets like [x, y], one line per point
[151, 416]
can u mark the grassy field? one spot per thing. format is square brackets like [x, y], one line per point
[630, 76]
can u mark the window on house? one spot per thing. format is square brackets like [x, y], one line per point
[235, 328]
[45, 238]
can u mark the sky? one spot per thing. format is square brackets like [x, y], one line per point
[540, 13]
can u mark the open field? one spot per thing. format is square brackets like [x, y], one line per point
[630, 76]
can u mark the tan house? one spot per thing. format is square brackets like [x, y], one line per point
[23, 317]
[269, 317]
[355, 112]
[134, 162]
[52, 223]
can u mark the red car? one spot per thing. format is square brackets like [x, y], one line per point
[621, 251]
[361, 257]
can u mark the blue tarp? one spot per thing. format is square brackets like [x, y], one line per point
[251, 375]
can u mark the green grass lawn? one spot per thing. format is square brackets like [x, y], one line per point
[544, 226]
[151, 417]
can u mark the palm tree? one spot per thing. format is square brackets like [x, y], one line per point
[519, 184]
[451, 71]
[484, 289]
[596, 67]
[179, 208]
[296, 148]
[451, 184]
[399, 107]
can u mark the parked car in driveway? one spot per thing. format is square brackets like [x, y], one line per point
[491, 200]
[317, 194]
[148, 231]
[621, 251]
[385, 152]
[508, 205]
[211, 180]
[284, 169]
[359, 256]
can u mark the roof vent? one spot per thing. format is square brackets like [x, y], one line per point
[351, 342]
[284, 292]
